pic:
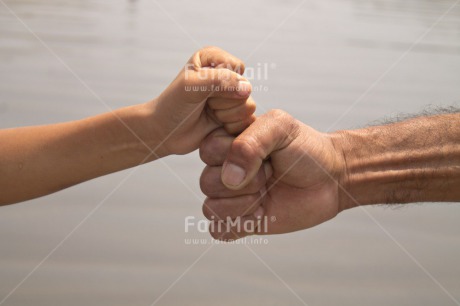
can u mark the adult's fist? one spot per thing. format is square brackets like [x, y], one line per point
[279, 173]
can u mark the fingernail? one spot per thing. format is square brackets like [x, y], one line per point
[244, 88]
[268, 169]
[233, 175]
[259, 213]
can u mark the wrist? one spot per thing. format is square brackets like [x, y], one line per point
[152, 129]
[139, 130]
[339, 142]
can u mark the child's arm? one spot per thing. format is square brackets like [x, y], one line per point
[35, 161]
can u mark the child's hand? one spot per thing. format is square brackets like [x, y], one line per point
[39, 160]
[209, 92]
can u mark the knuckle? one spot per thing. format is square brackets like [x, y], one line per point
[224, 78]
[250, 108]
[214, 232]
[212, 151]
[284, 120]
[256, 184]
[233, 128]
[239, 113]
[279, 115]
[214, 210]
[210, 49]
[205, 51]
[252, 201]
[206, 181]
[240, 67]
[247, 147]
[239, 116]
[207, 210]
[221, 115]
[205, 151]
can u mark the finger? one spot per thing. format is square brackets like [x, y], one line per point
[214, 148]
[270, 132]
[238, 113]
[221, 83]
[238, 228]
[223, 208]
[212, 186]
[235, 128]
[215, 57]
[223, 103]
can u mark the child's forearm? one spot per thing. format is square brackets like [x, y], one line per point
[36, 161]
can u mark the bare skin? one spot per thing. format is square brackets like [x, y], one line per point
[35, 161]
[281, 169]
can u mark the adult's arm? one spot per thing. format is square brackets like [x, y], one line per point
[281, 169]
[416, 160]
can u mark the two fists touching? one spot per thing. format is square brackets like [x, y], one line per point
[277, 169]
[278, 175]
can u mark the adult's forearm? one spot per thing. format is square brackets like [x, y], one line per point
[39, 160]
[417, 160]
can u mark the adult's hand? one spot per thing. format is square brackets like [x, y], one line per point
[278, 171]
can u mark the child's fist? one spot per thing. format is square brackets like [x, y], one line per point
[209, 92]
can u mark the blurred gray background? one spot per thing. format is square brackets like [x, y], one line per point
[383, 57]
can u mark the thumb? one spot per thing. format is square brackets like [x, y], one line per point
[269, 133]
